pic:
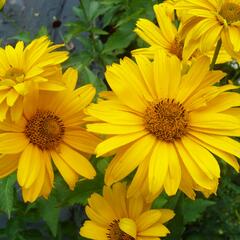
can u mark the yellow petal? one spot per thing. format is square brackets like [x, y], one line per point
[202, 157]
[12, 142]
[69, 175]
[194, 170]
[77, 162]
[30, 165]
[122, 165]
[156, 230]
[102, 207]
[173, 177]
[118, 141]
[85, 94]
[32, 193]
[93, 231]
[81, 140]
[128, 226]
[147, 219]
[70, 78]
[8, 164]
[158, 167]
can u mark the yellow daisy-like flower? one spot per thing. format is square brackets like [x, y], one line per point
[2, 3]
[50, 128]
[25, 69]
[113, 216]
[212, 20]
[168, 38]
[167, 126]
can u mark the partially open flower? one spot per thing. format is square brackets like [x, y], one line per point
[113, 216]
[23, 70]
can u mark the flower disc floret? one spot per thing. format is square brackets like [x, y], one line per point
[45, 129]
[230, 11]
[167, 120]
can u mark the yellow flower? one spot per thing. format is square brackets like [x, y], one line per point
[168, 38]
[167, 126]
[49, 129]
[113, 216]
[24, 69]
[212, 20]
[2, 3]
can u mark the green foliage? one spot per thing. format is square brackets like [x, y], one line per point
[49, 212]
[104, 28]
[193, 209]
[7, 194]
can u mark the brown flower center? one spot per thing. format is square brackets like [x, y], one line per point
[115, 233]
[177, 48]
[230, 12]
[166, 119]
[45, 130]
[15, 74]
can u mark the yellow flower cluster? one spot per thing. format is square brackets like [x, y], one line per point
[42, 118]
[165, 118]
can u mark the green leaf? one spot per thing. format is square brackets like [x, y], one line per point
[49, 211]
[92, 78]
[23, 36]
[93, 9]
[99, 31]
[7, 194]
[176, 225]
[160, 201]
[42, 31]
[193, 209]
[84, 189]
[119, 40]
[102, 164]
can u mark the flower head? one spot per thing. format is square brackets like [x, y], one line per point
[169, 38]
[167, 126]
[211, 20]
[50, 128]
[24, 69]
[113, 216]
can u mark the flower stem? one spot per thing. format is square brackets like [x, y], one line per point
[216, 52]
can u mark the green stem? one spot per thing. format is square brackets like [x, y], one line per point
[92, 36]
[216, 52]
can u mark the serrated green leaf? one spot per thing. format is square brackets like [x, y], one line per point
[49, 211]
[7, 194]
[193, 209]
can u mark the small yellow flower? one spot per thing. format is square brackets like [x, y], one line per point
[211, 20]
[50, 128]
[2, 3]
[170, 39]
[167, 126]
[25, 69]
[113, 216]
